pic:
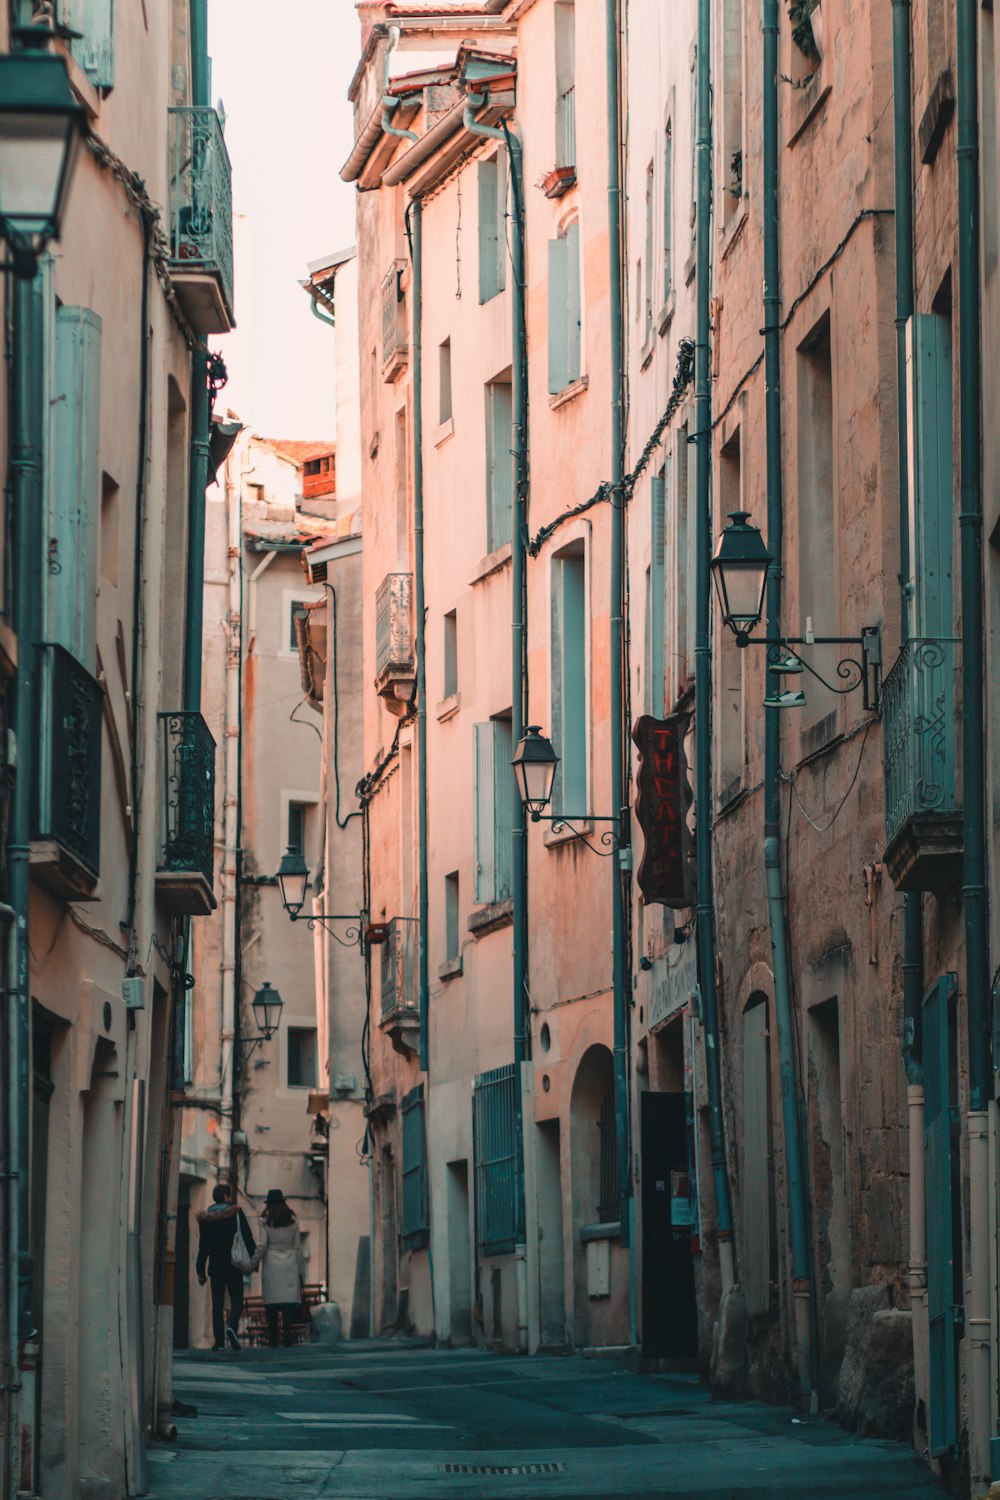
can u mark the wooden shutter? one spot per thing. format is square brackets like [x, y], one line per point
[485, 746]
[488, 248]
[76, 478]
[657, 592]
[932, 503]
[94, 49]
[573, 280]
[501, 441]
[756, 1163]
[503, 805]
[558, 317]
[501, 170]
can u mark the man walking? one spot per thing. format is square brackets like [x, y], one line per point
[216, 1232]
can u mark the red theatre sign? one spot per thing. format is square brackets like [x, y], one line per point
[663, 797]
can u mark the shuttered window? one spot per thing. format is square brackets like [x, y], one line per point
[492, 180]
[756, 1160]
[564, 309]
[94, 47]
[668, 210]
[657, 592]
[494, 1146]
[569, 681]
[75, 492]
[499, 464]
[416, 1198]
[494, 810]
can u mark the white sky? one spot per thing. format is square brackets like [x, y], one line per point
[282, 74]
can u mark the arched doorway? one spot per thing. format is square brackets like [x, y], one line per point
[594, 1180]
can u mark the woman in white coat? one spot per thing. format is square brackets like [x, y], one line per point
[283, 1267]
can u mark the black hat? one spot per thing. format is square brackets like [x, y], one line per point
[275, 1195]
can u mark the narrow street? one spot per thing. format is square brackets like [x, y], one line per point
[387, 1421]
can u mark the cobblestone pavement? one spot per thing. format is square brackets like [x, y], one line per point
[384, 1421]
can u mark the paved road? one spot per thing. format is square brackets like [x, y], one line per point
[389, 1421]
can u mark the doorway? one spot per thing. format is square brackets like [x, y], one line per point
[551, 1248]
[459, 1255]
[182, 1267]
[669, 1309]
[387, 1207]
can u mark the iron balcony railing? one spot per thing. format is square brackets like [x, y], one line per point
[399, 980]
[67, 800]
[566, 128]
[393, 628]
[188, 780]
[494, 1151]
[919, 734]
[201, 195]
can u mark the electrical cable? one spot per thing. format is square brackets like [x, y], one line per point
[825, 827]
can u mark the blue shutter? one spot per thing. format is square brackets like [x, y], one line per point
[94, 48]
[501, 430]
[503, 804]
[940, 1119]
[416, 1199]
[932, 504]
[657, 589]
[558, 317]
[573, 279]
[494, 1148]
[501, 179]
[488, 248]
[574, 684]
[485, 813]
[76, 479]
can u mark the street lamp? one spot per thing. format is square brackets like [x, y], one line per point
[534, 765]
[739, 568]
[293, 882]
[267, 1004]
[41, 125]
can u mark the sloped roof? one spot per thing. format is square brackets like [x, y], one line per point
[298, 451]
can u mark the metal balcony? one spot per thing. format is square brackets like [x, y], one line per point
[66, 810]
[187, 838]
[395, 665]
[201, 218]
[400, 1000]
[923, 803]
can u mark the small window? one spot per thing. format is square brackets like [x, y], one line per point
[451, 915]
[570, 681]
[564, 309]
[492, 182]
[299, 611]
[668, 210]
[444, 381]
[296, 833]
[450, 654]
[565, 25]
[303, 1072]
[647, 286]
[312, 466]
[499, 463]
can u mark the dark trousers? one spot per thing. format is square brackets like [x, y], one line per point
[288, 1311]
[230, 1281]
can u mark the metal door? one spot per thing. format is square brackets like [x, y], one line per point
[669, 1309]
[943, 1259]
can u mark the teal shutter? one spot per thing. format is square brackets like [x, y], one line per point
[76, 479]
[932, 505]
[416, 1198]
[657, 590]
[571, 651]
[485, 746]
[494, 1151]
[503, 805]
[94, 49]
[558, 317]
[573, 274]
[501, 169]
[501, 441]
[943, 1285]
[488, 238]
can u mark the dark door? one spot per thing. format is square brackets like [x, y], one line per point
[182, 1267]
[669, 1310]
[944, 1271]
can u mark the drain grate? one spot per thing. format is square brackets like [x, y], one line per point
[502, 1468]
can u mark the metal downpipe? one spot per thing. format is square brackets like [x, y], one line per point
[974, 889]
[417, 252]
[803, 1290]
[703, 653]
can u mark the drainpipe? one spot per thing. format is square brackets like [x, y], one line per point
[26, 508]
[416, 209]
[798, 1197]
[620, 868]
[519, 683]
[974, 889]
[913, 934]
[703, 654]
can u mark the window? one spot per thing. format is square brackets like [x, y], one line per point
[682, 581]
[402, 512]
[731, 736]
[565, 28]
[657, 588]
[564, 309]
[732, 107]
[494, 751]
[110, 527]
[569, 680]
[451, 944]
[303, 1072]
[299, 611]
[74, 509]
[415, 1228]
[296, 831]
[450, 654]
[817, 530]
[492, 226]
[757, 1181]
[444, 381]
[499, 463]
[494, 1136]
[668, 211]
[647, 285]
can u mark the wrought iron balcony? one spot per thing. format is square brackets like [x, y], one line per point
[201, 218]
[923, 804]
[400, 1000]
[395, 668]
[395, 349]
[66, 812]
[187, 842]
